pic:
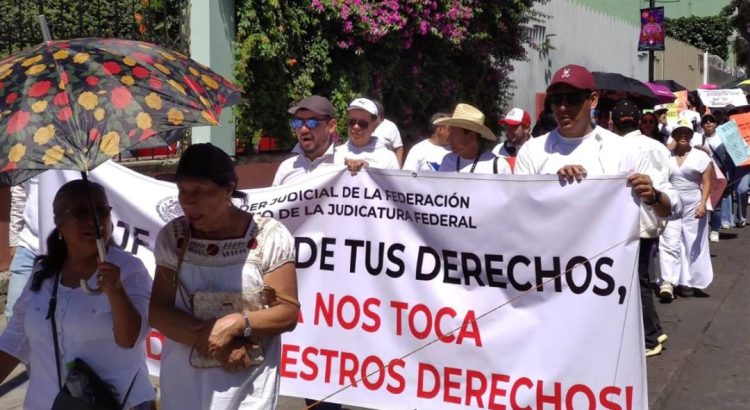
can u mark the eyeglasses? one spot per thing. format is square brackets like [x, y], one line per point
[571, 98]
[709, 120]
[84, 213]
[362, 123]
[310, 123]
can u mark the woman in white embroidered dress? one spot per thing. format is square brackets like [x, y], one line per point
[228, 250]
[105, 330]
[684, 257]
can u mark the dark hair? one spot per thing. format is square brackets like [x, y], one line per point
[57, 251]
[438, 115]
[720, 115]
[655, 133]
[206, 161]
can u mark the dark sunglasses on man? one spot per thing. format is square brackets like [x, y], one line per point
[84, 213]
[310, 123]
[571, 98]
[362, 123]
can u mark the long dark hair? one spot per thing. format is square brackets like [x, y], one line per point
[655, 132]
[48, 265]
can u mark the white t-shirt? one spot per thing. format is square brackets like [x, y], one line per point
[486, 163]
[501, 150]
[601, 152]
[388, 135]
[425, 156]
[375, 155]
[299, 166]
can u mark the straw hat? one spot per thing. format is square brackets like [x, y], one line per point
[469, 118]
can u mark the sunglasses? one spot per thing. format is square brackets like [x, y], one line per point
[84, 213]
[310, 123]
[362, 123]
[649, 122]
[571, 98]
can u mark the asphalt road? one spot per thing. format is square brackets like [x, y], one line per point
[706, 361]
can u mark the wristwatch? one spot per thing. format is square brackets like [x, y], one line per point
[248, 331]
[657, 198]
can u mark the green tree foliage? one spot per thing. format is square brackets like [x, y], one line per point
[706, 33]
[738, 14]
[417, 57]
[158, 21]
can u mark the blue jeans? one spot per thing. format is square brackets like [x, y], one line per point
[742, 193]
[722, 215]
[20, 273]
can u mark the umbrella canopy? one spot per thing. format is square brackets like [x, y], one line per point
[664, 94]
[708, 86]
[673, 85]
[617, 86]
[74, 104]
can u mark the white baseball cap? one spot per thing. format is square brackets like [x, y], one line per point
[516, 116]
[363, 104]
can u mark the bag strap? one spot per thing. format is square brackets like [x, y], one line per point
[130, 388]
[51, 317]
[180, 257]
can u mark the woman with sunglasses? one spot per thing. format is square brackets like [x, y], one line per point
[105, 330]
[218, 247]
[683, 249]
[362, 148]
[649, 126]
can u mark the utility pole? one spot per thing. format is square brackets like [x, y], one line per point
[651, 4]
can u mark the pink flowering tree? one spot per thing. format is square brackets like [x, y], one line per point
[416, 56]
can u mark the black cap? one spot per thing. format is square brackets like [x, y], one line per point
[315, 103]
[207, 161]
[708, 116]
[625, 114]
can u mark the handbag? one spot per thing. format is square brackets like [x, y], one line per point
[209, 305]
[103, 396]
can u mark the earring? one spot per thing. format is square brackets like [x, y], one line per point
[59, 235]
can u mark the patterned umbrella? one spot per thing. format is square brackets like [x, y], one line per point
[74, 104]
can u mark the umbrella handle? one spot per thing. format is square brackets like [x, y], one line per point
[102, 257]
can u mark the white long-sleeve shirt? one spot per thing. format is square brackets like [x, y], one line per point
[601, 152]
[84, 326]
[23, 228]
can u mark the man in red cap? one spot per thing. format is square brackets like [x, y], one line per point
[576, 148]
[517, 124]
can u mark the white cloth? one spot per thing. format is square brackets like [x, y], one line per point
[226, 265]
[601, 152]
[84, 325]
[501, 150]
[657, 156]
[425, 156]
[388, 135]
[684, 256]
[713, 141]
[484, 164]
[299, 166]
[375, 155]
[23, 227]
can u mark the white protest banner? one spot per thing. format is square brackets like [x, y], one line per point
[722, 98]
[733, 142]
[538, 279]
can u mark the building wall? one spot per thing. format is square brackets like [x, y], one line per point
[629, 9]
[684, 64]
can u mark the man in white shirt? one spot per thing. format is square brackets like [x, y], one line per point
[626, 117]
[314, 122]
[576, 148]
[388, 134]
[466, 138]
[517, 131]
[427, 154]
[23, 238]
[362, 149]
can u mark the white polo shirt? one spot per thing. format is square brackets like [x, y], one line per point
[486, 163]
[300, 166]
[375, 155]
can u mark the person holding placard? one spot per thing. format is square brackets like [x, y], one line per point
[684, 257]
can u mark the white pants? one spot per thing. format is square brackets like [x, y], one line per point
[684, 256]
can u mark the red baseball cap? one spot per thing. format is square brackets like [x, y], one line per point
[575, 76]
[516, 116]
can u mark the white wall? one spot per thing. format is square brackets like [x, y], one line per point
[582, 36]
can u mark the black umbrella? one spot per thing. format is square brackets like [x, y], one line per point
[673, 85]
[623, 87]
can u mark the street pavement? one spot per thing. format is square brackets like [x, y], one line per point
[706, 361]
